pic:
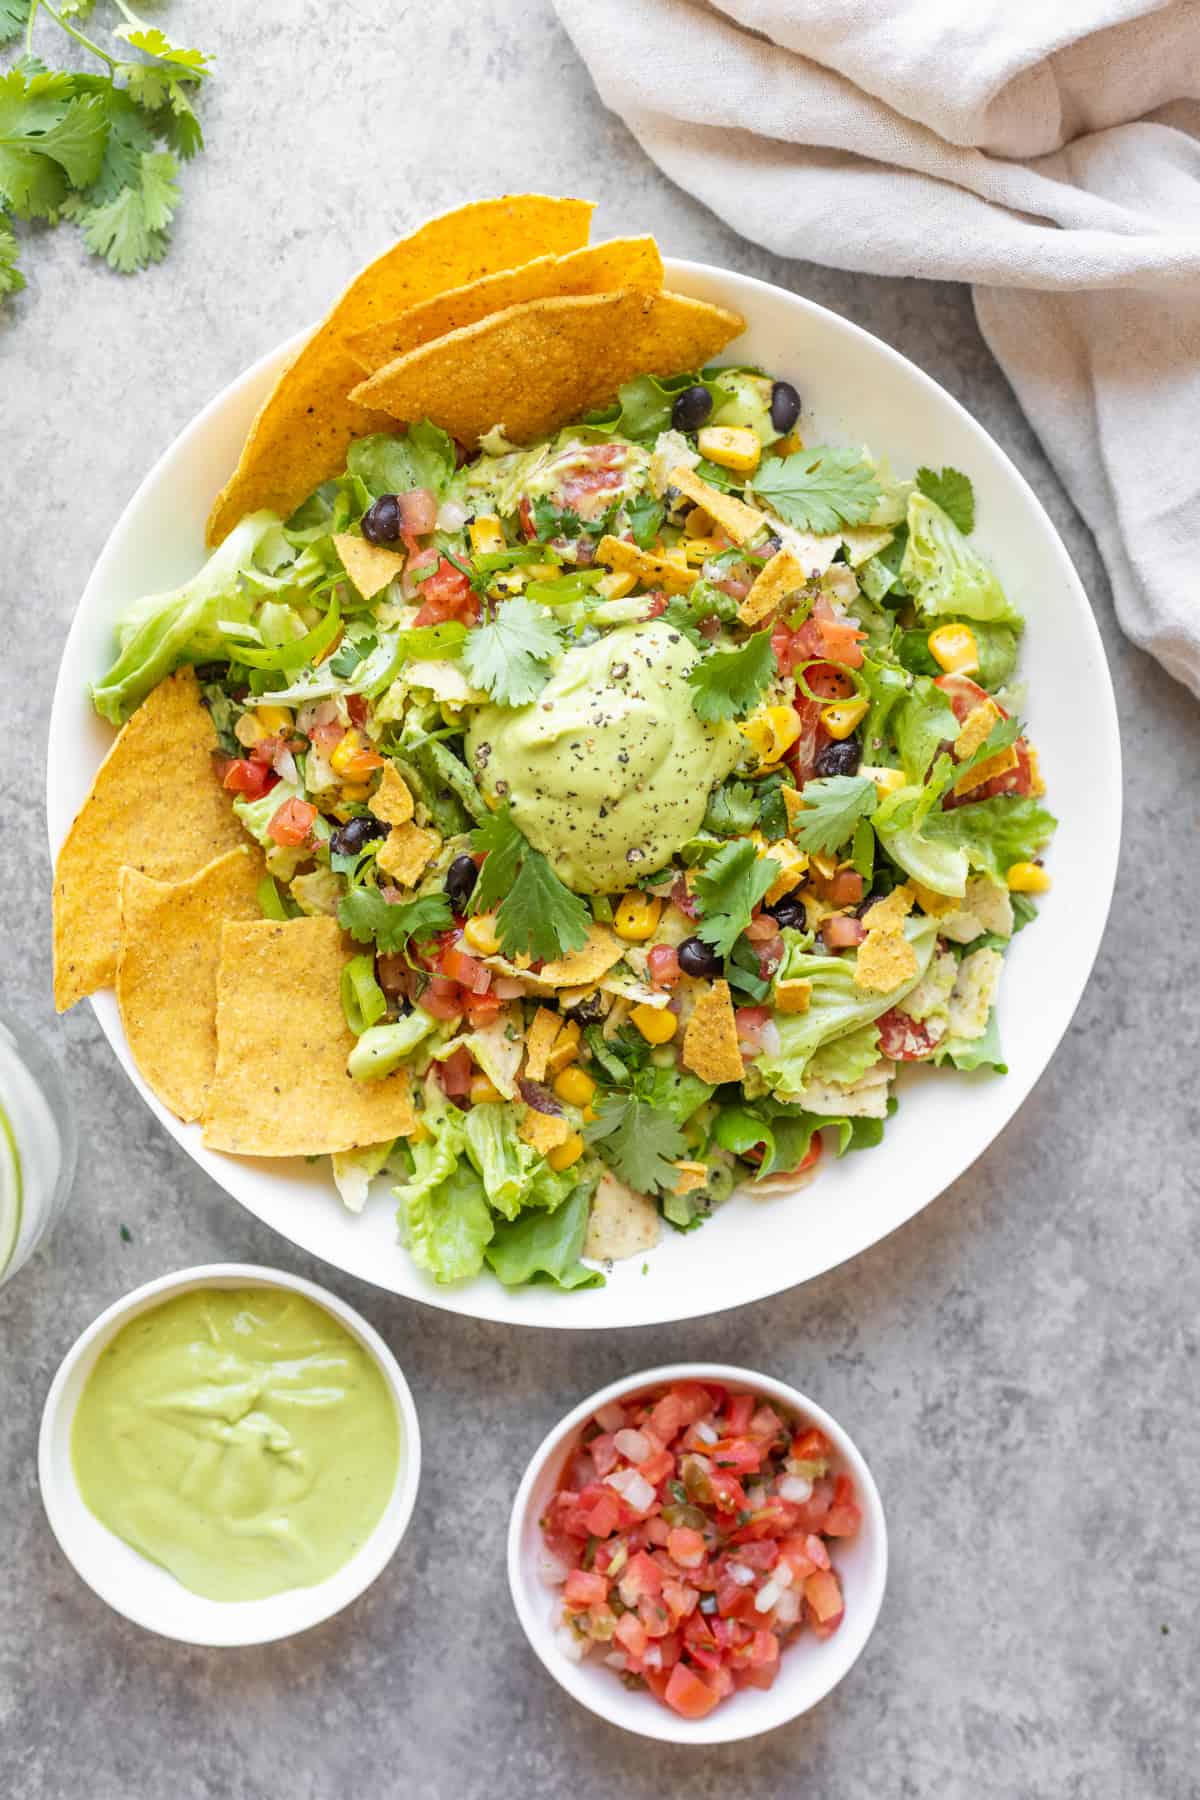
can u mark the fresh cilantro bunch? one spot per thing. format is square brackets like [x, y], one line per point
[509, 655]
[818, 489]
[370, 919]
[728, 889]
[726, 684]
[102, 150]
[538, 914]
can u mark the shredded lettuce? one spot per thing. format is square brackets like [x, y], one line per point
[354, 1171]
[443, 1214]
[945, 577]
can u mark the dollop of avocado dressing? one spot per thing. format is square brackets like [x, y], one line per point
[609, 770]
[241, 1438]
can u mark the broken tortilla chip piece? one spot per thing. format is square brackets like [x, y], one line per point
[407, 853]
[543, 1132]
[793, 996]
[740, 522]
[772, 585]
[710, 1041]
[891, 911]
[167, 970]
[539, 365]
[539, 1041]
[650, 570]
[299, 437]
[280, 1087]
[885, 960]
[369, 566]
[622, 1222]
[692, 1175]
[596, 269]
[155, 805]
[580, 968]
[987, 770]
[976, 728]
[392, 802]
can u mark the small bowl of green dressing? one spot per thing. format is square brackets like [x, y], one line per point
[229, 1454]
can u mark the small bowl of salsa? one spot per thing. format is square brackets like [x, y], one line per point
[698, 1553]
[229, 1454]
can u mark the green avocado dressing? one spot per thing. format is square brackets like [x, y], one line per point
[609, 770]
[241, 1438]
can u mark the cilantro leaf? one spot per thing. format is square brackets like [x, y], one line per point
[130, 231]
[369, 918]
[833, 805]
[11, 278]
[13, 15]
[727, 890]
[508, 655]
[952, 491]
[502, 847]
[645, 515]
[550, 522]
[732, 809]
[540, 916]
[818, 489]
[349, 654]
[49, 140]
[727, 683]
[640, 1144]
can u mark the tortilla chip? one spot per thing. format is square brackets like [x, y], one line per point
[865, 541]
[885, 961]
[167, 970]
[281, 1087]
[692, 1175]
[155, 805]
[890, 912]
[621, 1223]
[391, 803]
[710, 1043]
[304, 425]
[579, 968]
[596, 269]
[543, 1132]
[793, 996]
[406, 854]
[650, 570]
[539, 365]
[793, 806]
[566, 1049]
[772, 585]
[369, 566]
[737, 520]
[539, 1040]
[793, 866]
[987, 770]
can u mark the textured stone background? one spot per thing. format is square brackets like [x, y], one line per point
[1019, 1362]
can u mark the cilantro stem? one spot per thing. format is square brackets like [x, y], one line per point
[85, 42]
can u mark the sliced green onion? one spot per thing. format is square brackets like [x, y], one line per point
[270, 900]
[363, 1000]
[298, 651]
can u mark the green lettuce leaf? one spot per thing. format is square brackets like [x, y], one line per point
[443, 1214]
[506, 1165]
[944, 575]
[846, 1058]
[974, 1053]
[545, 1246]
[423, 456]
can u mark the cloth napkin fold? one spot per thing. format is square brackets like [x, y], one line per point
[1047, 153]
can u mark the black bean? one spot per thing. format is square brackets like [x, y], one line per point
[789, 912]
[785, 406]
[691, 408]
[381, 522]
[698, 958]
[840, 758]
[353, 837]
[460, 882]
[589, 1010]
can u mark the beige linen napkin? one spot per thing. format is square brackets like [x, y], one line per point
[1047, 151]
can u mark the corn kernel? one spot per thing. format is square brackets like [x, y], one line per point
[354, 792]
[734, 447]
[886, 780]
[542, 571]
[841, 716]
[574, 1087]
[697, 550]
[1027, 878]
[248, 731]
[274, 718]
[953, 648]
[589, 1115]
[507, 584]
[772, 731]
[789, 445]
[636, 916]
[657, 1024]
[698, 524]
[482, 1091]
[616, 585]
[349, 746]
[566, 1048]
[486, 534]
[566, 1155]
[480, 932]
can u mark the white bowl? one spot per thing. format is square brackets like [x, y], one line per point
[138, 1588]
[808, 1669]
[855, 390]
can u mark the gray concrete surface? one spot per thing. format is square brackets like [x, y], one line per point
[1019, 1362]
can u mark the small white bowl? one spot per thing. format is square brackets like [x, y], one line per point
[138, 1588]
[809, 1669]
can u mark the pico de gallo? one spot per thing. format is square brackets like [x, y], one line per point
[693, 1541]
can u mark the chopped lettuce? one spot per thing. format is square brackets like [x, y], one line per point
[786, 1132]
[256, 815]
[945, 577]
[354, 1171]
[921, 723]
[421, 457]
[545, 1246]
[974, 1053]
[382, 1048]
[443, 1214]
[514, 1176]
[845, 1058]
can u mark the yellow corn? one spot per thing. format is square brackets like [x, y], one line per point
[886, 780]
[507, 584]
[699, 549]
[420, 1132]
[566, 1155]
[574, 1087]
[589, 1115]
[542, 571]
[1027, 878]
[697, 524]
[566, 1048]
[657, 1024]
[354, 792]
[347, 748]
[771, 731]
[616, 585]
[841, 716]
[249, 731]
[274, 718]
[480, 933]
[636, 916]
[734, 447]
[953, 648]
[486, 534]
[482, 1091]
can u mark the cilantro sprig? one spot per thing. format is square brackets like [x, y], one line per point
[369, 918]
[833, 806]
[727, 890]
[952, 491]
[726, 684]
[509, 655]
[639, 1143]
[538, 916]
[818, 489]
[102, 150]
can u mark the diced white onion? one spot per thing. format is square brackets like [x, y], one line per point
[708, 1434]
[632, 1445]
[452, 515]
[767, 1595]
[652, 1657]
[794, 1487]
[552, 1569]
[782, 1575]
[632, 1487]
[574, 1648]
[787, 1607]
[740, 1573]
[756, 1495]
[616, 1659]
[769, 1039]
[507, 987]
[611, 1417]
[284, 765]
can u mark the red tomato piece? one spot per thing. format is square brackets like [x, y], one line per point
[843, 932]
[631, 1634]
[292, 824]
[442, 999]
[664, 965]
[845, 1515]
[738, 1455]
[583, 1589]
[904, 1039]
[458, 965]
[824, 1594]
[687, 1695]
[845, 888]
[446, 594]
[456, 1073]
[811, 1446]
[738, 1414]
[248, 777]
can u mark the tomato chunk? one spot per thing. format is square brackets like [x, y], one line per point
[687, 1695]
[292, 824]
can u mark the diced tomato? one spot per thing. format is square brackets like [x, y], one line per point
[292, 824]
[243, 775]
[687, 1695]
[442, 999]
[845, 888]
[654, 1616]
[327, 737]
[793, 1551]
[456, 1073]
[525, 514]
[737, 1454]
[738, 1414]
[801, 759]
[584, 491]
[358, 708]
[964, 695]
[418, 512]
[843, 932]
[446, 594]
[640, 1577]
[663, 962]
[699, 1640]
[686, 1546]
[824, 1594]
[728, 1494]
[841, 640]
[657, 1467]
[583, 1589]
[458, 965]
[811, 1446]
[735, 1600]
[811, 1513]
[828, 682]
[775, 1518]
[631, 1633]
[751, 1022]
[482, 1008]
[845, 1515]
[762, 1554]
[657, 606]
[904, 1039]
